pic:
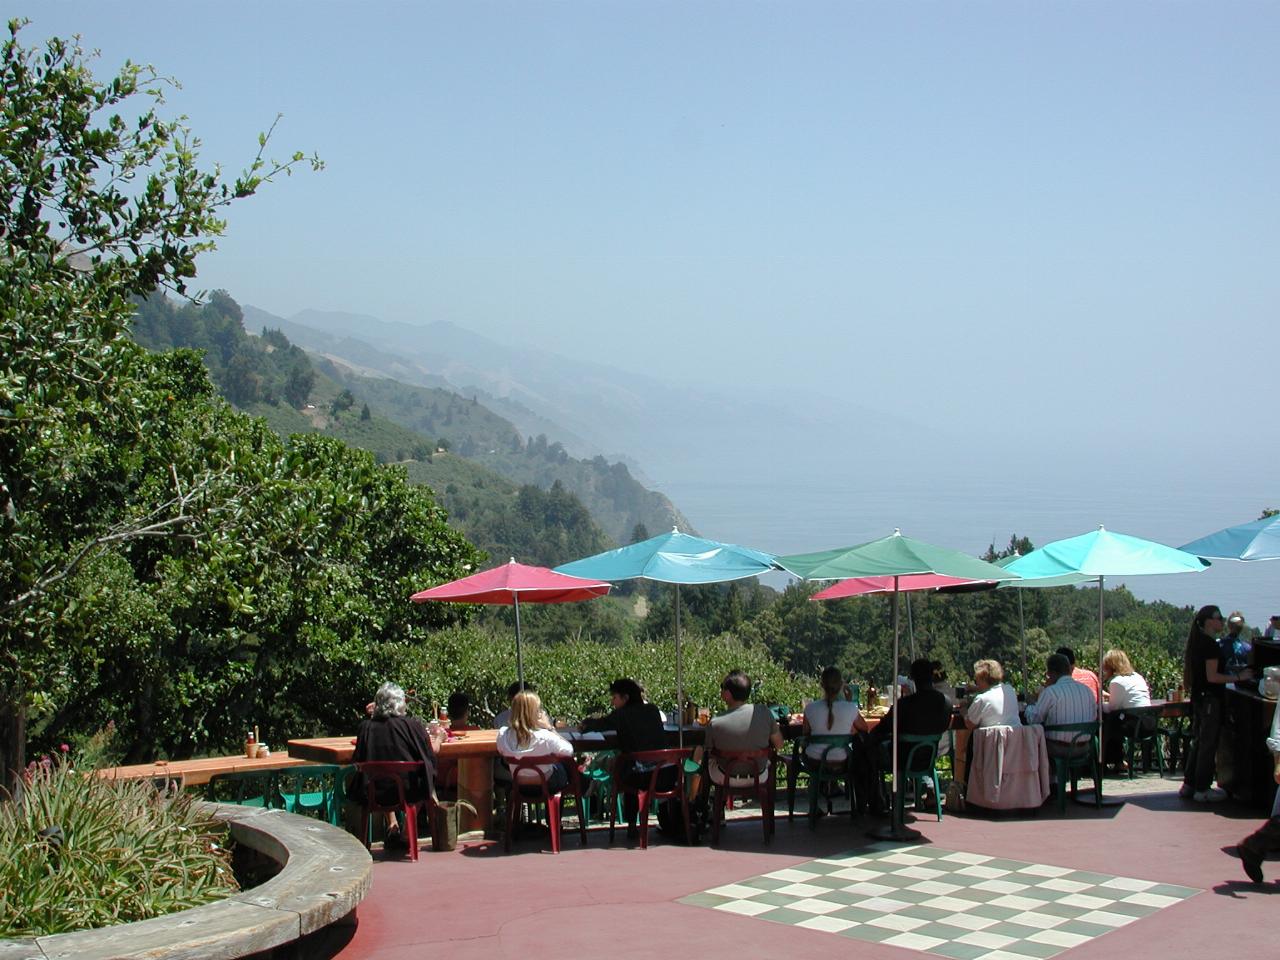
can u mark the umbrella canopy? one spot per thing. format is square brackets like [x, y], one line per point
[1101, 553]
[861, 586]
[503, 584]
[673, 557]
[895, 559]
[1062, 580]
[1256, 540]
[510, 585]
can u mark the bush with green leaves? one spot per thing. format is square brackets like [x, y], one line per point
[78, 851]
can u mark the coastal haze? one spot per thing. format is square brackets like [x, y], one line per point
[814, 271]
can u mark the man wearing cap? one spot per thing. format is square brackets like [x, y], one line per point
[1235, 648]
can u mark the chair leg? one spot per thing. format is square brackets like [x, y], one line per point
[513, 807]
[717, 813]
[642, 804]
[411, 828]
[554, 809]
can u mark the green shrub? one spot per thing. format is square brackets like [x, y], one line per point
[121, 853]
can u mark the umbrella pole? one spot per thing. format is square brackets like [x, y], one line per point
[1022, 633]
[515, 597]
[1101, 644]
[911, 632]
[897, 829]
[679, 677]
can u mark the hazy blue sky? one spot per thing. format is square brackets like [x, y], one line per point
[1073, 204]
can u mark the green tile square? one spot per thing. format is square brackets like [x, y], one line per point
[1016, 930]
[1085, 876]
[1040, 893]
[1012, 866]
[1172, 890]
[1055, 909]
[831, 883]
[911, 896]
[1133, 909]
[775, 899]
[920, 912]
[854, 914]
[1030, 948]
[1084, 928]
[959, 951]
[784, 915]
[992, 912]
[764, 883]
[704, 900]
[974, 895]
[820, 869]
[844, 896]
[868, 934]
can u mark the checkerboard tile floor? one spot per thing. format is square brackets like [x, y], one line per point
[966, 906]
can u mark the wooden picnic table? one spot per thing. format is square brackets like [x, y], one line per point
[194, 773]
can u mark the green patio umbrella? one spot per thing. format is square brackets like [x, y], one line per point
[897, 557]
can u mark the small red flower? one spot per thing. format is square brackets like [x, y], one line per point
[65, 748]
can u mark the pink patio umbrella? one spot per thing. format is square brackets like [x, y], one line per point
[512, 584]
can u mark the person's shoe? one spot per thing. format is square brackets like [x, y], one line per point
[1251, 862]
[1212, 795]
[1186, 791]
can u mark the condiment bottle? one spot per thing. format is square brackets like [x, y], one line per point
[251, 744]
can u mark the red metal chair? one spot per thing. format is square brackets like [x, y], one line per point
[660, 760]
[743, 777]
[525, 791]
[397, 772]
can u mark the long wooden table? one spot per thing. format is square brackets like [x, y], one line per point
[194, 773]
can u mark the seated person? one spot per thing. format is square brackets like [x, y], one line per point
[996, 702]
[389, 734]
[459, 709]
[504, 718]
[1063, 700]
[639, 727]
[924, 712]
[831, 715]
[1080, 674]
[1235, 646]
[742, 727]
[531, 735]
[1125, 689]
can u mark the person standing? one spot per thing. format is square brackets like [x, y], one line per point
[1204, 673]
[1266, 839]
[1235, 647]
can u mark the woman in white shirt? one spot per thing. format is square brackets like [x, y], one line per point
[996, 702]
[531, 735]
[1125, 689]
[831, 715]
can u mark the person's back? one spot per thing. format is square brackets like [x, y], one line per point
[743, 727]
[1063, 701]
[997, 706]
[638, 725]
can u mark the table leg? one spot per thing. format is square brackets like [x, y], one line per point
[475, 786]
[959, 754]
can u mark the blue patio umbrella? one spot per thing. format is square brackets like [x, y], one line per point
[1063, 580]
[676, 558]
[1101, 554]
[1256, 540]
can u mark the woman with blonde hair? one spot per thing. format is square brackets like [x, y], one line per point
[1125, 689]
[996, 702]
[531, 735]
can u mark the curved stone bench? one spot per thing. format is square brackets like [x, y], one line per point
[326, 872]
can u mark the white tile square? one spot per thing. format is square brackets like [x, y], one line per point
[1058, 938]
[801, 890]
[969, 921]
[935, 886]
[1084, 900]
[796, 876]
[920, 873]
[868, 889]
[882, 904]
[827, 924]
[952, 904]
[987, 873]
[916, 941]
[981, 938]
[1128, 883]
[961, 857]
[1066, 886]
[1105, 918]
[1044, 870]
[812, 905]
[1016, 902]
[1000, 886]
[748, 908]
[1002, 955]
[856, 873]
[1042, 921]
[736, 890]
[895, 921]
[1151, 900]
[906, 859]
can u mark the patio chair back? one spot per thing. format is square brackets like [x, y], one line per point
[746, 774]
[1067, 768]
[381, 778]
[657, 761]
[528, 792]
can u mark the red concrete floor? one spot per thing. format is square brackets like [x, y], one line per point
[614, 901]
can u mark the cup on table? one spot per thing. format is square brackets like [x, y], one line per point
[263, 751]
[1168, 695]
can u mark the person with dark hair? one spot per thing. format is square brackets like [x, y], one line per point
[639, 727]
[459, 707]
[1080, 674]
[831, 714]
[1204, 673]
[923, 713]
[744, 726]
[1063, 700]
[504, 718]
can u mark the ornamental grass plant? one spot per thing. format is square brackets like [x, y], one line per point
[78, 851]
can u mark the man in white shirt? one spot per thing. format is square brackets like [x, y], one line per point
[1063, 700]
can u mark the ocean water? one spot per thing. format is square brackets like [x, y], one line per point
[969, 513]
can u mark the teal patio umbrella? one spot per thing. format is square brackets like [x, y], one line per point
[1101, 554]
[1256, 540]
[901, 559]
[676, 558]
[1064, 580]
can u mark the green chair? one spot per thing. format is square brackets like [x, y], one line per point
[313, 791]
[821, 772]
[1068, 768]
[247, 788]
[918, 765]
[598, 788]
[1142, 733]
